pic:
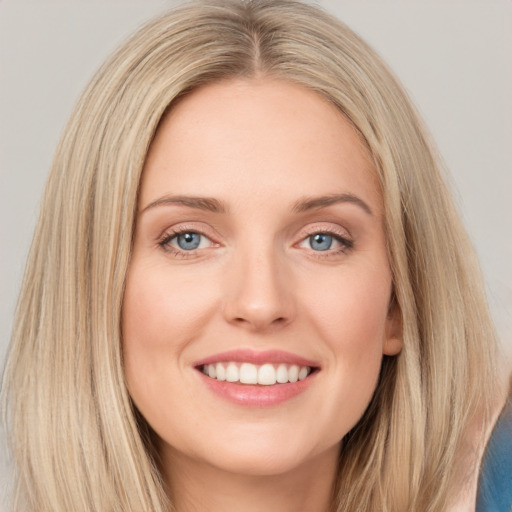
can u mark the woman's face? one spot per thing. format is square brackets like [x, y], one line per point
[259, 259]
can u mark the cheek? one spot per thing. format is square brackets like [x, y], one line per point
[350, 309]
[161, 310]
[162, 315]
[350, 314]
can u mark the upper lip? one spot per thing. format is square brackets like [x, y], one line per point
[257, 357]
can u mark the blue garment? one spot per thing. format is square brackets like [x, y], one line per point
[495, 483]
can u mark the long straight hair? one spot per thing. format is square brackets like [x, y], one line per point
[77, 441]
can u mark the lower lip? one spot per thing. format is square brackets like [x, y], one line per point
[257, 396]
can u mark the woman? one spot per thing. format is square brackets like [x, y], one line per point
[248, 287]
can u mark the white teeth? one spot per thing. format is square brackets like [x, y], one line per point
[293, 373]
[221, 372]
[282, 374]
[232, 373]
[248, 373]
[266, 375]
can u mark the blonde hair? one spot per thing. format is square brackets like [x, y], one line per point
[77, 441]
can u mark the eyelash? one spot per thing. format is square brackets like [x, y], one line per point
[164, 242]
[346, 243]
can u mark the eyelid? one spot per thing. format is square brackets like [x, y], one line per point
[172, 232]
[342, 235]
[187, 227]
[327, 228]
[172, 240]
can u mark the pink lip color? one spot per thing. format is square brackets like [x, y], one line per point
[254, 357]
[256, 395]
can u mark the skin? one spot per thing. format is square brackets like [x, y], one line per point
[256, 282]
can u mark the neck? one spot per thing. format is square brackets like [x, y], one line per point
[195, 486]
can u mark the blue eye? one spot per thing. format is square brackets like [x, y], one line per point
[320, 242]
[185, 243]
[188, 241]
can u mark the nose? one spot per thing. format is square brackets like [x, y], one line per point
[259, 292]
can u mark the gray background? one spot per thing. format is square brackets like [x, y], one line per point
[453, 56]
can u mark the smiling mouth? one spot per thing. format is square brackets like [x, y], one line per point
[266, 374]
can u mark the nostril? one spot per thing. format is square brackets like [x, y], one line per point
[261, 322]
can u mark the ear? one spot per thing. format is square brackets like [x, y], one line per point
[394, 333]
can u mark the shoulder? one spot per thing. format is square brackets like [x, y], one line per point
[495, 482]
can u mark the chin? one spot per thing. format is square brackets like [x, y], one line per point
[259, 463]
[263, 451]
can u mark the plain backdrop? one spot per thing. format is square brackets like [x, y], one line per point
[453, 56]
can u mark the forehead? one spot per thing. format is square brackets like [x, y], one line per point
[255, 137]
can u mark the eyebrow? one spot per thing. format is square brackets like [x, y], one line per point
[312, 203]
[302, 205]
[209, 204]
